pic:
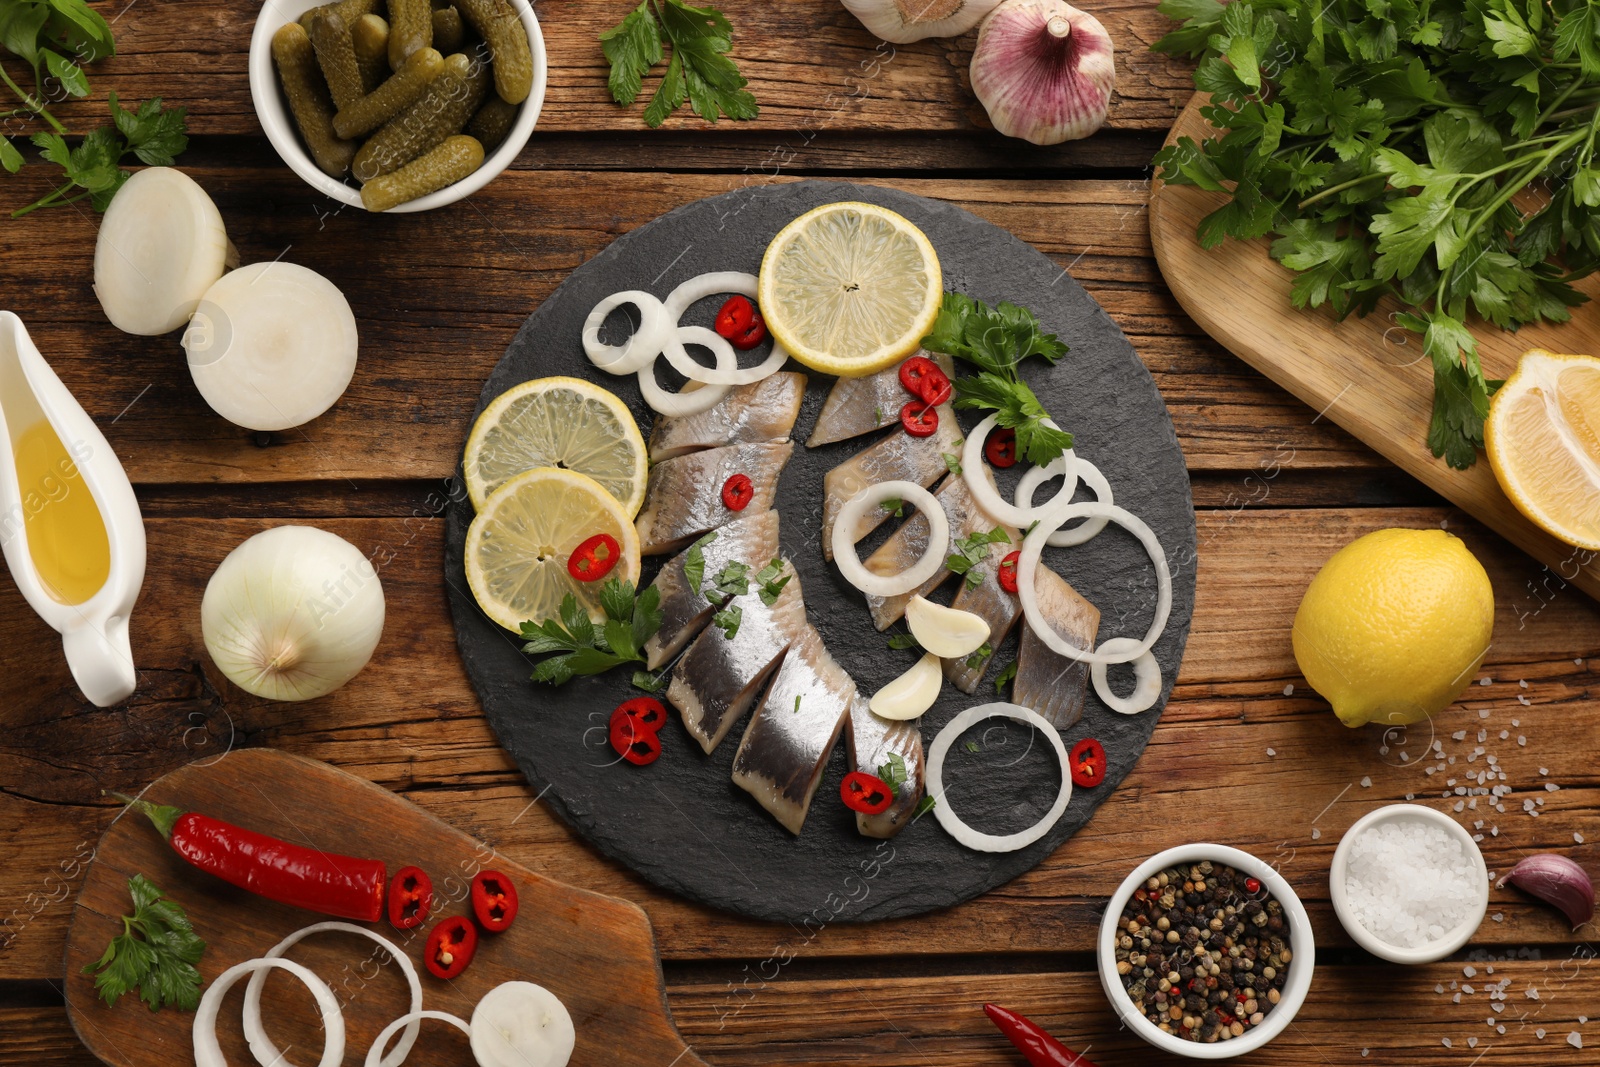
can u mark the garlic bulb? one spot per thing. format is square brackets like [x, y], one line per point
[293, 613]
[1044, 71]
[904, 21]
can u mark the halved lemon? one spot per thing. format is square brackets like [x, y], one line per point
[519, 544]
[557, 422]
[850, 288]
[1543, 438]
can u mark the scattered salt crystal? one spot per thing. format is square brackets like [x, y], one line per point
[1498, 1007]
[1456, 999]
[1410, 882]
[1316, 835]
[1522, 742]
[1364, 1052]
[1499, 1028]
[1532, 994]
[1446, 1040]
[1403, 757]
[1468, 990]
[1366, 783]
[1575, 1039]
[1551, 787]
[1460, 735]
[1483, 735]
[1288, 690]
[1577, 663]
[1485, 681]
[1411, 796]
[1543, 771]
[1472, 1042]
[1449, 781]
[1272, 752]
[1483, 713]
[1577, 837]
[1539, 1033]
[1522, 683]
[1582, 1019]
[1460, 804]
[1439, 988]
[1498, 917]
[1504, 734]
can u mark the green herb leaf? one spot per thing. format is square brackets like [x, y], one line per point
[925, 805]
[1006, 676]
[894, 773]
[972, 746]
[797, 697]
[694, 562]
[73, 81]
[952, 463]
[894, 506]
[632, 47]
[155, 953]
[979, 656]
[900, 642]
[728, 619]
[631, 620]
[648, 682]
[733, 580]
[699, 70]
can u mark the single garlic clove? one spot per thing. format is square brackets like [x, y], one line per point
[1044, 71]
[1558, 881]
[911, 694]
[904, 21]
[948, 633]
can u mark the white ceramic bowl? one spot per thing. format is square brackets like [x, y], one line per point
[1339, 873]
[1300, 941]
[273, 111]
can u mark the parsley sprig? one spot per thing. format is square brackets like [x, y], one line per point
[156, 953]
[699, 70]
[973, 550]
[1384, 151]
[586, 648]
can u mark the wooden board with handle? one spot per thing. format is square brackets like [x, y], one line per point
[597, 953]
[1366, 374]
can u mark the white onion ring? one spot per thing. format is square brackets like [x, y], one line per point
[952, 823]
[261, 1046]
[1146, 678]
[207, 1053]
[1027, 568]
[414, 1019]
[1090, 476]
[844, 545]
[642, 347]
[989, 498]
[677, 405]
[698, 289]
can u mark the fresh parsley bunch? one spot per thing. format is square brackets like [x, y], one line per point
[699, 71]
[1386, 146]
[631, 620]
[156, 953]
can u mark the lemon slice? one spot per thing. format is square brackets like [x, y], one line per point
[1543, 438]
[519, 544]
[850, 288]
[557, 422]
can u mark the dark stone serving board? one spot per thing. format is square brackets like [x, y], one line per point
[681, 823]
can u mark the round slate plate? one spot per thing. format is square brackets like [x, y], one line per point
[681, 823]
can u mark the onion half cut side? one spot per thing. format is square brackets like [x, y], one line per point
[413, 1020]
[684, 296]
[690, 401]
[844, 545]
[1146, 678]
[966, 835]
[988, 497]
[1090, 475]
[641, 348]
[207, 1053]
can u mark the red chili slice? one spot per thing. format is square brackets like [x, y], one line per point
[451, 946]
[634, 743]
[1001, 448]
[410, 898]
[737, 492]
[735, 317]
[1088, 763]
[866, 793]
[936, 388]
[494, 901]
[1008, 571]
[593, 560]
[919, 419]
[644, 712]
[751, 335]
[914, 373]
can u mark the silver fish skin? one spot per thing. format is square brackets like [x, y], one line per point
[683, 498]
[790, 736]
[860, 405]
[752, 539]
[907, 544]
[1048, 682]
[763, 411]
[872, 740]
[989, 602]
[898, 457]
[718, 679]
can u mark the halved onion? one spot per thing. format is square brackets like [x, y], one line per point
[1146, 678]
[261, 1046]
[207, 1053]
[699, 288]
[161, 246]
[844, 546]
[989, 498]
[641, 348]
[947, 817]
[911, 694]
[689, 401]
[1090, 476]
[412, 1019]
[948, 633]
[520, 1024]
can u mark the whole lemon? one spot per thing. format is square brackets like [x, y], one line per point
[1395, 626]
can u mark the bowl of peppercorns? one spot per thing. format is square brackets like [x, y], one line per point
[1206, 952]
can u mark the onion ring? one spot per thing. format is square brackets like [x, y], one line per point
[413, 1018]
[261, 1046]
[207, 1053]
[698, 289]
[988, 497]
[1090, 475]
[642, 347]
[1146, 674]
[693, 402]
[844, 544]
[952, 823]
[1027, 568]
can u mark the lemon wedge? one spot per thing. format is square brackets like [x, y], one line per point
[850, 288]
[519, 544]
[557, 422]
[1543, 439]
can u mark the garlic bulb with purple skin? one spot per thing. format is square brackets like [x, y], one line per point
[1044, 71]
[1558, 881]
[904, 21]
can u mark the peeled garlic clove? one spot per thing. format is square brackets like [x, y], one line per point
[946, 632]
[1044, 71]
[904, 21]
[1556, 880]
[911, 694]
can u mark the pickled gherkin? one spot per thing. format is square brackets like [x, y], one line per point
[499, 25]
[336, 55]
[398, 92]
[448, 31]
[492, 122]
[445, 164]
[443, 109]
[349, 10]
[308, 99]
[410, 28]
[370, 36]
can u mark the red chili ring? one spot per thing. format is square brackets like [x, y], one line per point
[410, 898]
[914, 373]
[866, 793]
[494, 901]
[593, 559]
[919, 419]
[737, 492]
[734, 317]
[647, 713]
[634, 743]
[451, 946]
[1008, 571]
[1001, 447]
[1088, 763]
[936, 388]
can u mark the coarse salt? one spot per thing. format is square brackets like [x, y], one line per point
[1410, 883]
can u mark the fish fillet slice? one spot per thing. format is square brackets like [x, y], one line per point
[1048, 682]
[790, 736]
[683, 498]
[764, 411]
[994, 605]
[860, 405]
[898, 457]
[719, 677]
[752, 539]
[872, 740]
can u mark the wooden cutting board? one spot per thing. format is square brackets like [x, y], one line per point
[1367, 375]
[597, 953]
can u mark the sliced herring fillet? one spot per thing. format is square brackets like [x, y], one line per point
[860, 405]
[872, 740]
[763, 411]
[752, 539]
[683, 498]
[898, 457]
[1048, 682]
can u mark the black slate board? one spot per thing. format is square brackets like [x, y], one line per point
[681, 823]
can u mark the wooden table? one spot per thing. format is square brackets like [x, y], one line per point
[1244, 754]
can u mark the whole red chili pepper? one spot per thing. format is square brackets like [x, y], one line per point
[494, 901]
[737, 492]
[341, 886]
[451, 946]
[594, 558]
[1088, 763]
[1008, 571]
[1040, 1048]
[410, 898]
[919, 419]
